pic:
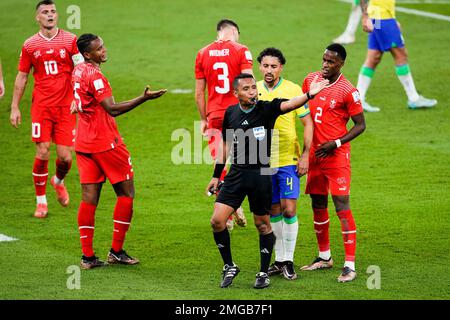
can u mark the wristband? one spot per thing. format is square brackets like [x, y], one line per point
[338, 143]
[218, 168]
[309, 96]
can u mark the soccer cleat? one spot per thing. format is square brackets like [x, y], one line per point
[367, 107]
[61, 192]
[230, 223]
[288, 270]
[317, 264]
[239, 217]
[275, 268]
[121, 257]
[91, 262]
[41, 210]
[422, 102]
[345, 39]
[262, 280]
[347, 275]
[228, 274]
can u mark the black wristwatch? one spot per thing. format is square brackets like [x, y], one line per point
[309, 96]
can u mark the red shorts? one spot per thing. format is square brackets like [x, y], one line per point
[214, 132]
[328, 180]
[114, 164]
[55, 124]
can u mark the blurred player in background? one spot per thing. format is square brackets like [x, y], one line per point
[385, 35]
[352, 25]
[329, 162]
[216, 66]
[285, 158]
[52, 54]
[101, 152]
[2, 84]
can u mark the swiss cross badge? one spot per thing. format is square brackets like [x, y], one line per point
[62, 53]
[332, 103]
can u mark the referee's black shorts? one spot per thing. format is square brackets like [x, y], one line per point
[241, 182]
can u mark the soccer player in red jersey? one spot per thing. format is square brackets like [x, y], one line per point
[216, 66]
[329, 161]
[101, 152]
[52, 53]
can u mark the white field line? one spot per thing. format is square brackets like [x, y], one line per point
[419, 12]
[4, 238]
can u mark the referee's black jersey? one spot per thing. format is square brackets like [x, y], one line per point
[250, 133]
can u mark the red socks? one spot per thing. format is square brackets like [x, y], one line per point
[348, 228]
[321, 226]
[86, 221]
[62, 168]
[122, 219]
[40, 175]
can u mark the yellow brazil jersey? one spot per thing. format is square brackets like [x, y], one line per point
[285, 149]
[381, 9]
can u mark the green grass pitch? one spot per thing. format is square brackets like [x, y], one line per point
[401, 164]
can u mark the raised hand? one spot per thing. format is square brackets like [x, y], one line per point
[149, 95]
[315, 87]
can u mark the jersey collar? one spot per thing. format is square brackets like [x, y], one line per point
[331, 84]
[49, 39]
[274, 88]
[248, 110]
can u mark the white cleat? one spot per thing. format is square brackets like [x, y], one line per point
[422, 102]
[230, 224]
[345, 39]
[367, 107]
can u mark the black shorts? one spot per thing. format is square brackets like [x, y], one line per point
[240, 182]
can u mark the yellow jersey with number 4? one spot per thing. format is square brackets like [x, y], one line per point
[381, 9]
[285, 150]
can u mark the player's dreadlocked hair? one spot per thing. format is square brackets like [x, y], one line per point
[339, 49]
[84, 42]
[44, 2]
[273, 52]
[226, 22]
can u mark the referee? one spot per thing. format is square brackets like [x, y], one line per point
[247, 132]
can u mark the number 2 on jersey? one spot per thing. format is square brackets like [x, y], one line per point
[76, 96]
[318, 115]
[222, 77]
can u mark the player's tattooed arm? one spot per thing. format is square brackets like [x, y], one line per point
[366, 22]
[116, 109]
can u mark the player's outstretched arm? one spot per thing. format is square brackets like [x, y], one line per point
[296, 102]
[116, 109]
[358, 128]
[19, 88]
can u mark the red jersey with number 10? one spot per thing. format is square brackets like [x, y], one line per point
[97, 129]
[331, 109]
[52, 64]
[219, 63]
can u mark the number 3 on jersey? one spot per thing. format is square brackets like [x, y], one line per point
[318, 115]
[223, 76]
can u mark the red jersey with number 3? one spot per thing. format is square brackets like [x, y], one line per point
[331, 109]
[97, 129]
[52, 64]
[219, 63]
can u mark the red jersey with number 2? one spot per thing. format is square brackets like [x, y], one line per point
[97, 129]
[331, 109]
[219, 63]
[52, 64]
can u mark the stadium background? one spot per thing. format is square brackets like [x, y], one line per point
[401, 168]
